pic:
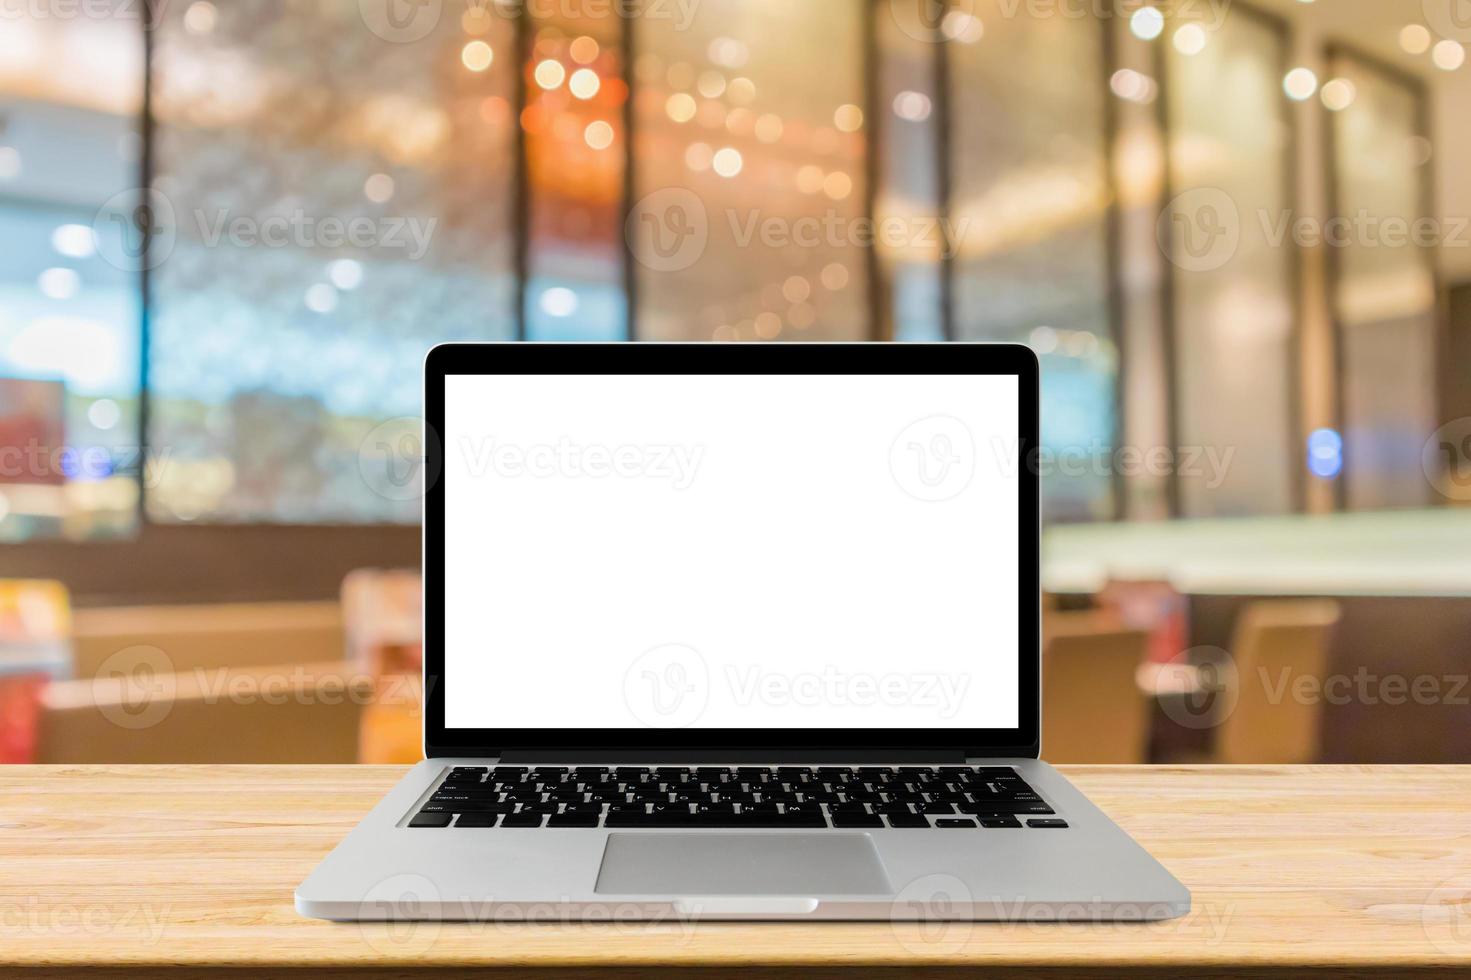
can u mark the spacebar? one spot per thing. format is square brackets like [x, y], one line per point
[714, 820]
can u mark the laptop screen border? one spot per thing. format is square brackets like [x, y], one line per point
[734, 359]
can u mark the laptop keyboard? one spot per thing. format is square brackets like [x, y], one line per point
[745, 797]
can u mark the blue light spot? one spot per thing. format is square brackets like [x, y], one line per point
[1325, 454]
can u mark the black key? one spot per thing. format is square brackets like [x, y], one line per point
[523, 819]
[681, 818]
[793, 774]
[902, 809]
[810, 811]
[880, 772]
[508, 772]
[422, 819]
[476, 771]
[911, 820]
[582, 808]
[548, 774]
[607, 796]
[831, 773]
[794, 821]
[1047, 824]
[471, 806]
[630, 774]
[1003, 806]
[591, 774]
[954, 824]
[715, 808]
[1001, 823]
[573, 820]
[752, 774]
[709, 774]
[477, 819]
[857, 820]
[937, 808]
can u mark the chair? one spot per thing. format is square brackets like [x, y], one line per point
[1249, 700]
[1092, 710]
[1275, 644]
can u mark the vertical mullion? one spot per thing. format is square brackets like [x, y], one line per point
[943, 179]
[145, 277]
[1113, 257]
[522, 215]
[1169, 319]
[628, 44]
[880, 307]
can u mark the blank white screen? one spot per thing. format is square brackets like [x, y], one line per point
[731, 551]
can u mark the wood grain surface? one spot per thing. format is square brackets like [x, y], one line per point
[189, 872]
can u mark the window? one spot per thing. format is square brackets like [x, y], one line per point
[340, 202]
[70, 90]
[1384, 296]
[749, 162]
[1029, 204]
[1230, 164]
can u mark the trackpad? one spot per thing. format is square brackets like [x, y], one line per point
[742, 864]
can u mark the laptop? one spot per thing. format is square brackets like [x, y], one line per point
[733, 632]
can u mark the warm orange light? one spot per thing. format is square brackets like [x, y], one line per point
[477, 56]
[550, 74]
[599, 135]
[848, 118]
[584, 50]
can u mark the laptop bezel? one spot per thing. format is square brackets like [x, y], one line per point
[712, 744]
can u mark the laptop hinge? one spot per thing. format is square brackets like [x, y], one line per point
[735, 756]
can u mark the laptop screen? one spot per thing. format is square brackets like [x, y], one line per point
[731, 551]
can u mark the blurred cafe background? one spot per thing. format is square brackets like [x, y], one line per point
[1236, 232]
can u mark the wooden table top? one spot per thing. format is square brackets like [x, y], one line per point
[188, 870]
